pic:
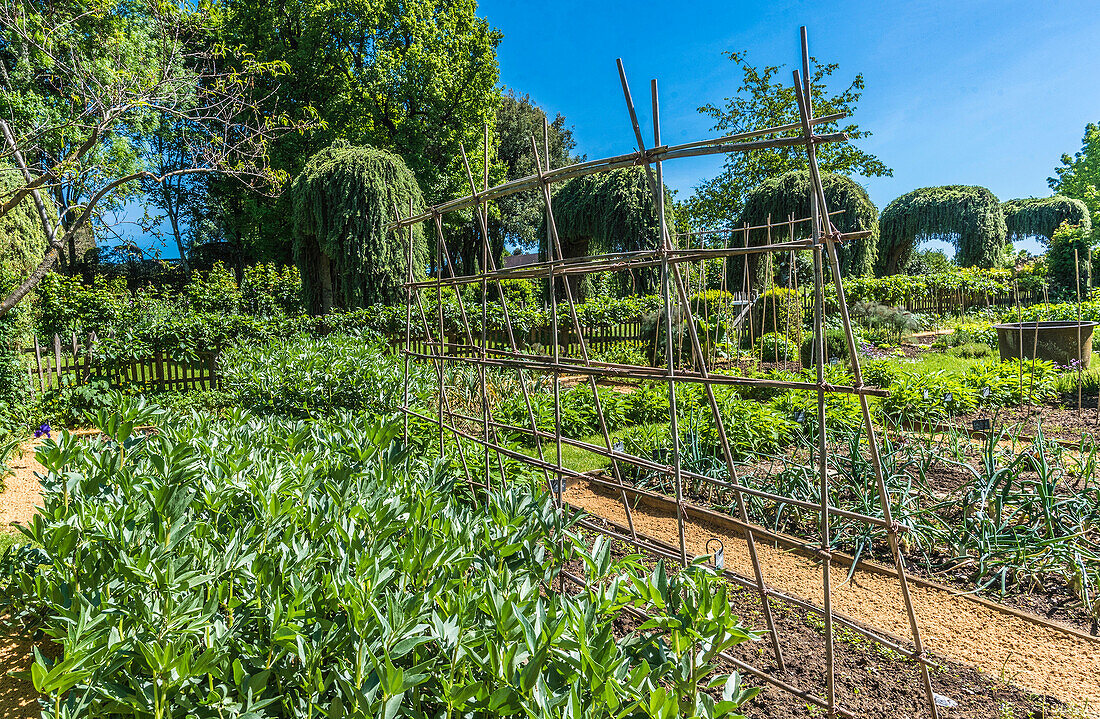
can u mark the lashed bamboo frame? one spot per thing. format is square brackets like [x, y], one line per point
[558, 269]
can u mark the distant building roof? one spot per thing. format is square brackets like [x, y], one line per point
[529, 258]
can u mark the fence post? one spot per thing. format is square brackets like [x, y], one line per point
[57, 355]
[158, 363]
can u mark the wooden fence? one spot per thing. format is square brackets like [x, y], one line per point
[76, 359]
[956, 302]
[596, 339]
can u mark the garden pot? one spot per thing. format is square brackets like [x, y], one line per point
[1054, 341]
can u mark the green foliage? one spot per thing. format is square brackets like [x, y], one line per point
[968, 216]
[306, 376]
[780, 310]
[607, 212]
[766, 98]
[518, 119]
[1067, 273]
[1041, 216]
[297, 569]
[215, 292]
[22, 239]
[631, 352]
[1079, 176]
[788, 195]
[928, 398]
[342, 202]
[976, 281]
[894, 322]
[418, 79]
[268, 290]
[930, 262]
[774, 347]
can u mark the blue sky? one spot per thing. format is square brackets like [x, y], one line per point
[982, 93]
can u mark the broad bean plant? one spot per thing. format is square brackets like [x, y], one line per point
[257, 567]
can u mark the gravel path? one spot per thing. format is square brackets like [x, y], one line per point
[1031, 655]
[18, 503]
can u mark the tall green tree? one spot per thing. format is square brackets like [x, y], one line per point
[766, 98]
[518, 119]
[416, 78]
[1079, 176]
[82, 84]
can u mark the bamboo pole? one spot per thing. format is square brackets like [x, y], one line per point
[872, 442]
[1080, 360]
[657, 188]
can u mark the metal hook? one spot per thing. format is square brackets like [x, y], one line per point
[720, 555]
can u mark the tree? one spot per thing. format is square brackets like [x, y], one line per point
[788, 195]
[1079, 176]
[1062, 270]
[416, 78]
[342, 202]
[767, 99]
[519, 215]
[83, 82]
[969, 216]
[607, 212]
[1041, 216]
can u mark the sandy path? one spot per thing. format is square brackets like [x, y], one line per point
[18, 503]
[22, 493]
[1033, 656]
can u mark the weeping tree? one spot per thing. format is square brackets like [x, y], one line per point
[340, 205]
[780, 198]
[608, 212]
[1041, 216]
[970, 217]
[23, 240]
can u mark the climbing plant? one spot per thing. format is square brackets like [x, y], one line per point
[966, 215]
[608, 212]
[1041, 216]
[341, 203]
[788, 195]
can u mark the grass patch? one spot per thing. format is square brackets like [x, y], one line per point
[582, 460]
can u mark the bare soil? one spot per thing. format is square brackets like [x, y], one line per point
[870, 681]
[1039, 658]
[19, 502]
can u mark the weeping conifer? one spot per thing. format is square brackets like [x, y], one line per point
[1041, 216]
[22, 238]
[789, 194]
[608, 212]
[966, 215]
[341, 203]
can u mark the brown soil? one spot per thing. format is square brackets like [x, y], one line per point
[1039, 658]
[19, 502]
[870, 681]
[21, 497]
[1064, 423]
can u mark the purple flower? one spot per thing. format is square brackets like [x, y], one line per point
[43, 430]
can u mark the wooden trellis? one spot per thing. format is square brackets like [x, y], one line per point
[478, 352]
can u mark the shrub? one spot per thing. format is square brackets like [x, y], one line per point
[927, 398]
[216, 292]
[631, 352]
[1010, 383]
[306, 376]
[779, 310]
[774, 347]
[1063, 273]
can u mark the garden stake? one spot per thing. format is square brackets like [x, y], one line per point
[667, 258]
[1080, 361]
[657, 190]
[872, 442]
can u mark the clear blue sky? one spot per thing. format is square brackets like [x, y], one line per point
[982, 93]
